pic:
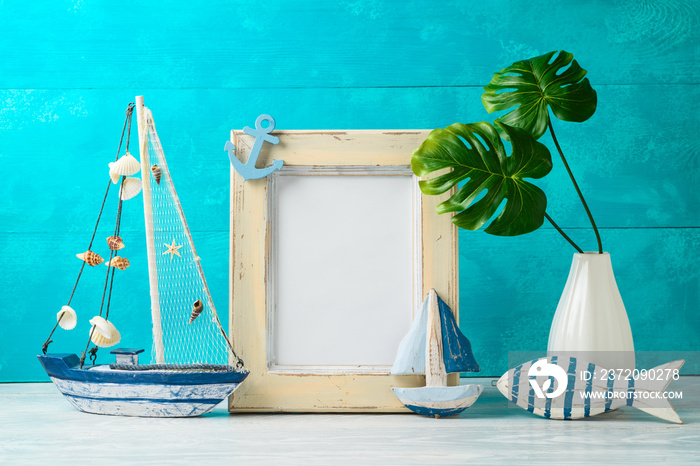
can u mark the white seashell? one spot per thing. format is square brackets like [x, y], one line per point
[127, 165]
[105, 333]
[130, 188]
[114, 176]
[69, 318]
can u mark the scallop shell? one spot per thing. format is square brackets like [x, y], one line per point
[69, 318]
[119, 262]
[197, 309]
[115, 243]
[130, 188]
[157, 173]
[112, 174]
[105, 333]
[127, 165]
[91, 258]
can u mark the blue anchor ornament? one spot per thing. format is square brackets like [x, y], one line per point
[247, 170]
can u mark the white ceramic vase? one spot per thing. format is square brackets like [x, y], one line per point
[591, 321]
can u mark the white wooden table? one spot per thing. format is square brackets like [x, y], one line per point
[38, 426]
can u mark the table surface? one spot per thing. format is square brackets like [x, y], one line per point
[38, 426]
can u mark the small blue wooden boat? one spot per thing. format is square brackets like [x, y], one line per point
[195, 366]
[434, 345]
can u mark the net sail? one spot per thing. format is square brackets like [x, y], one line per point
[176, 279]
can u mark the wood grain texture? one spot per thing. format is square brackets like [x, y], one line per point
[251, 284]
[492, 430]
[435, 374]
[39, 296]
[516, 283]
[294, 44]
[68, 69]
[636, 160]
[505, 284]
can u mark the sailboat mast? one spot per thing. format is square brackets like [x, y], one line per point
[150, 240]
[435, 373]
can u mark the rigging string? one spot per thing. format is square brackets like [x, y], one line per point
[117, 231]
[110, 269]
[127, 119]
[112, 253]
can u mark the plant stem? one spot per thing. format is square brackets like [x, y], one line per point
[580, 195]
[562, 233]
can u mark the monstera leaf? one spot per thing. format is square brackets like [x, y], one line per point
[533, 85]
[475, 153]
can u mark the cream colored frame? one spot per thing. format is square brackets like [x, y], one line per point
[435, 266]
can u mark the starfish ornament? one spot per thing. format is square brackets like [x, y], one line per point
[172, 249]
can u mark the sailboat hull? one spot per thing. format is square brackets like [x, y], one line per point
[438, 401]
[152, 393]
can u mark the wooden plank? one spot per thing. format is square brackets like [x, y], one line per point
[435, 374]
[625, 175]
[43, 271]
[301, 148]
[53, 191]
[226, 44]
[510, 284]
[65, 79]
[506, 285]
[491, 430]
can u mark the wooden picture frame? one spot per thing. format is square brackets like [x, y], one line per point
[253, 283]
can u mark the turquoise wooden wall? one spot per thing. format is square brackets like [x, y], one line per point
[68, 70]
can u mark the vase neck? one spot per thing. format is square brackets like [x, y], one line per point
[592, 260]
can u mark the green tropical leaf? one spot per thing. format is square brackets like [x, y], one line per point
[475, 153]
[534, 84]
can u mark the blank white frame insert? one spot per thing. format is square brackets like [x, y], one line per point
[343, 249]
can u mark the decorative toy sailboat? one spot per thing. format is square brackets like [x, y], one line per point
[435, 345]
[191, 372]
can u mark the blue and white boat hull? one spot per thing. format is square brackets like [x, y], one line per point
[438, 401]
[152, 393]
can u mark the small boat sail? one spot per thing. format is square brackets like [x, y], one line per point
[434, 345]
[194, 365]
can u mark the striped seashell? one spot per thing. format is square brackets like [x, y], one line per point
[91, 258]
[105, 333]
[119, 262]
[115, 243]
[127, 165]
[130, 188]
[157, 173]
[197, 309]
[69, 319]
